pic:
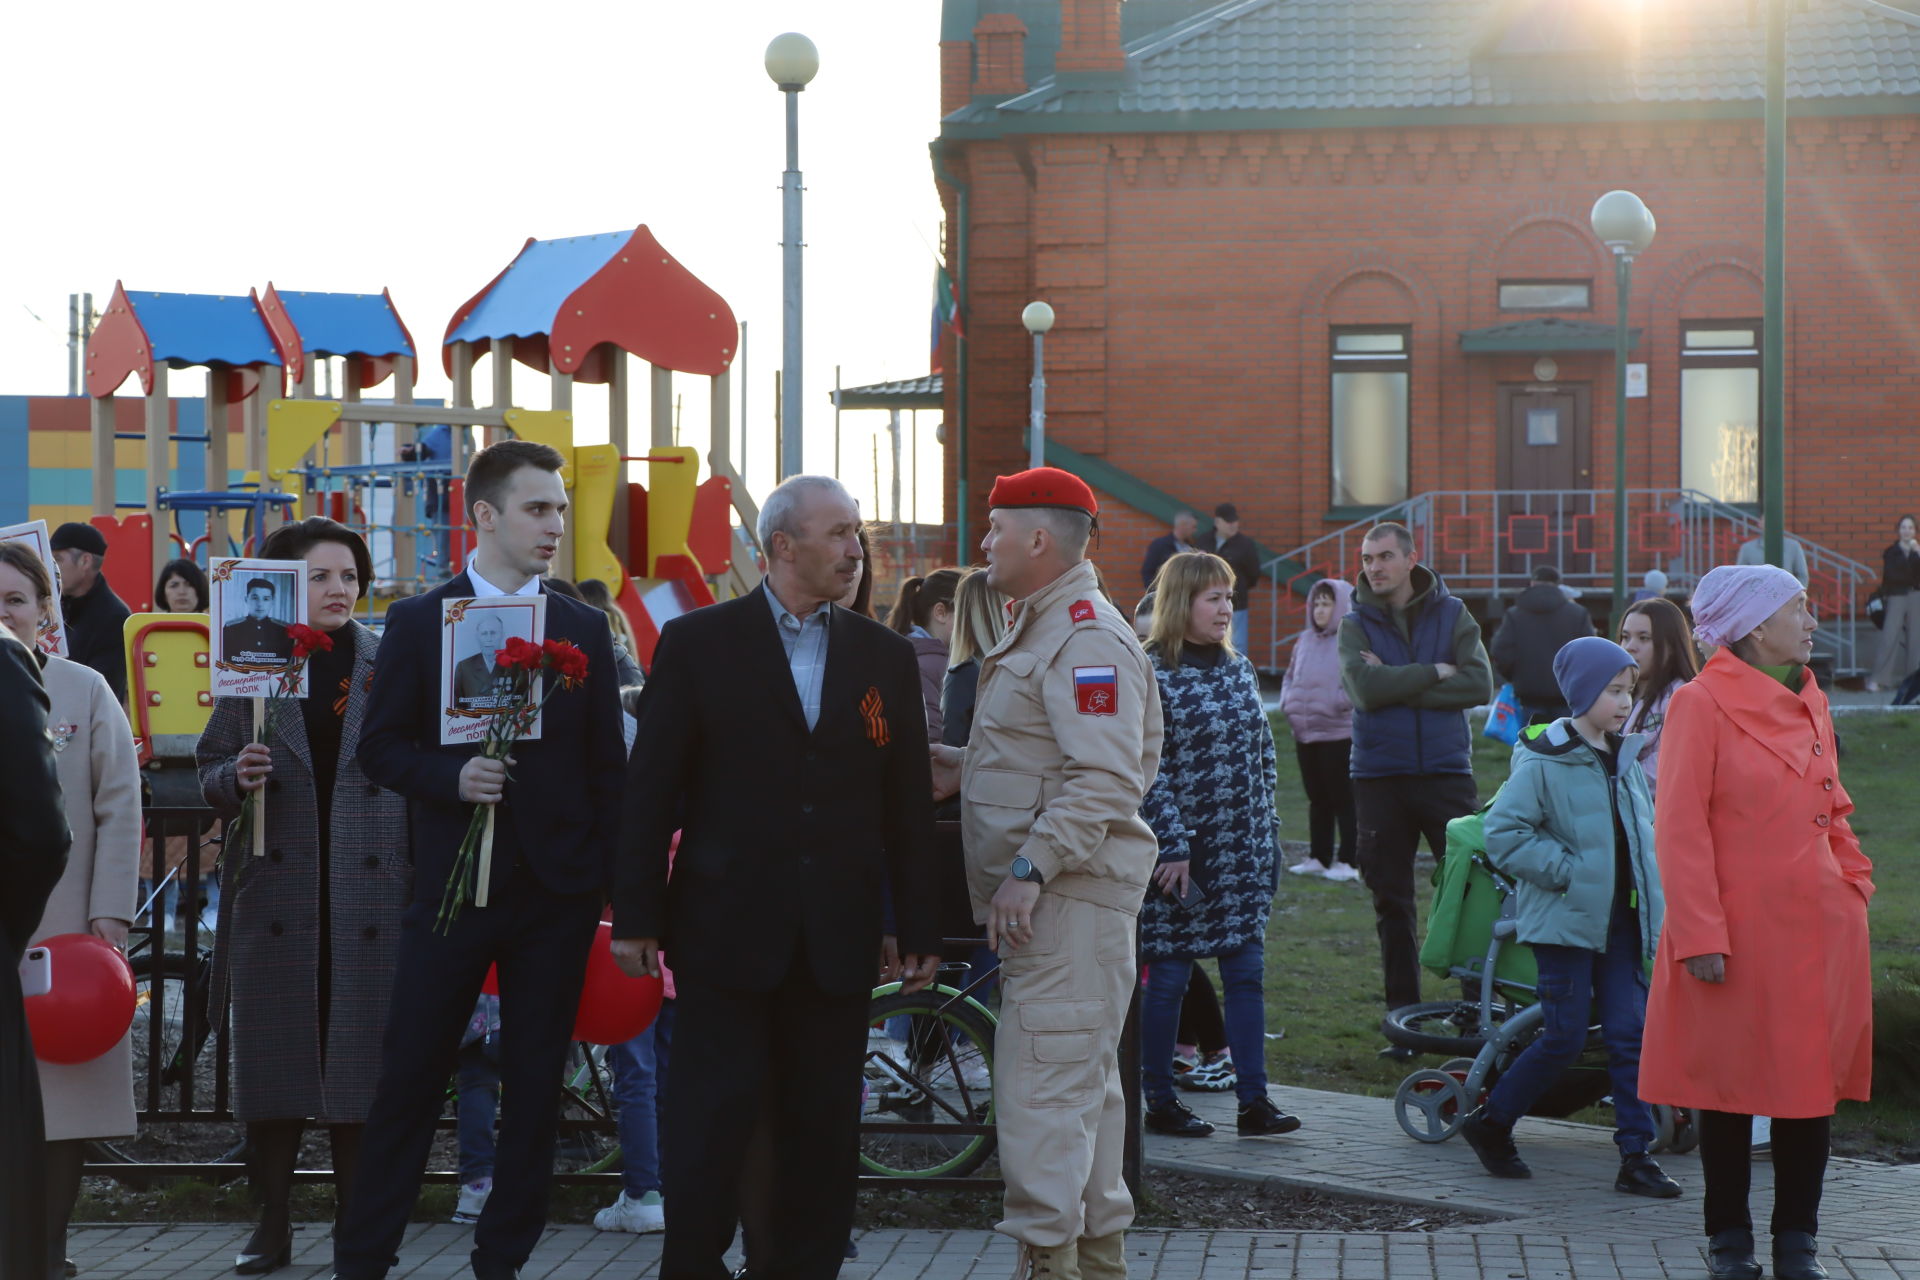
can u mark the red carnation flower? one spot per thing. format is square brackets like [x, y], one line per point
[306, 640]
[567, 659]
[520, 652]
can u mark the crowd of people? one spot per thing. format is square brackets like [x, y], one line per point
[760, 812]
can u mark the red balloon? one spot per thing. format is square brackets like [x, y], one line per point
[613, 1007]
[90, 1005]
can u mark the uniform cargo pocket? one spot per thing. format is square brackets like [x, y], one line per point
[1059, 1068]
[1004, 787]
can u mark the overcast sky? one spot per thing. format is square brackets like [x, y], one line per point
[210, 146]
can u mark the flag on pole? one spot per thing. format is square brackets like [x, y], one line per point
[946, 311]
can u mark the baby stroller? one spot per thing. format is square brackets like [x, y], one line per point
[1471, 937]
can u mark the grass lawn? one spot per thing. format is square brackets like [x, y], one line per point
[1323, 962]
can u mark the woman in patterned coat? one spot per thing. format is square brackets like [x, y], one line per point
[307, 932]
[1212, 809]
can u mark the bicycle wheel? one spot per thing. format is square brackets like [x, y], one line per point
[589, 1140]
[940, 1075]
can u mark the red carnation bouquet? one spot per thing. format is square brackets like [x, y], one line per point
[249, 828]
[568, 665]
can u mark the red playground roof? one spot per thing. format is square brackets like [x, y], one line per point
[566, 300]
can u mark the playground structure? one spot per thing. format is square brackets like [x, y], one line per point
[572, 308]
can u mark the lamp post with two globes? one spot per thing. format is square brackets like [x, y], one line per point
[1625, 225]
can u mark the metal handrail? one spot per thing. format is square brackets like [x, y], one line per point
[1472, 539]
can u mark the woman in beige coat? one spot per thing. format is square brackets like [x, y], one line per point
[93, 755]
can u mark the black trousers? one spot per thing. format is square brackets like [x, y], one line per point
[1799, 1171]
[791, 1055]
[539, 940]
[1393, 814]
[1329, 786]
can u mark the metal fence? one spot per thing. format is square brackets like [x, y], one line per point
[1488, 542]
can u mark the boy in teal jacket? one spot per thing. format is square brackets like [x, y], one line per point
[1574, 826]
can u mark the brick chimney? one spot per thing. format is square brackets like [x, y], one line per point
[1000, 55]
[1090, 36]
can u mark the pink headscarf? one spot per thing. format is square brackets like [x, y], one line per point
[1734, 599]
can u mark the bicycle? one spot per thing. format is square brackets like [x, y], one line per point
[927, 1106]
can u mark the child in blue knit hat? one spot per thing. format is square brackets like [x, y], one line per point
[1574, 827]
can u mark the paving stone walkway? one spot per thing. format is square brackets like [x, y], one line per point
[1565, 1223]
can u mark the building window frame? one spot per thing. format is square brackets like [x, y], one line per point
[1356, 360]
[1737, 355]
[1583, 282]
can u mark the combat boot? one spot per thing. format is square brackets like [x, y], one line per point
[1104, 1257]
[1038, 1262]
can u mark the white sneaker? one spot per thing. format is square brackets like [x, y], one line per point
[1307, 867]
[1343, 871]
[642, 1217]
[473, 1198]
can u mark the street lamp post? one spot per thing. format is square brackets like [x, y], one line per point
[791, 61]
[1624, 224]
[1038, 317]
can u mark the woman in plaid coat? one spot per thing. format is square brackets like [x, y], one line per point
[308, 931]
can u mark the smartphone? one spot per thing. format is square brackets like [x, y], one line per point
[1196, 894]
[36, 972]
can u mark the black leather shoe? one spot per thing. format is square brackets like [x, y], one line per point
[487, 1266]
[258, 1261]
[1640, 1176]
[1263, 1119]
[1793, 1257]
[1176, 1120]
[1730, 1256]
[1493, 1143]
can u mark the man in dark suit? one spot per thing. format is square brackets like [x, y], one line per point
[96, 617]
[479, 682]
[785, 739]
[1167, 546]
[256, 638]
[552, 853]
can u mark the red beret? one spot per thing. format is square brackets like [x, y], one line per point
[1044, 487]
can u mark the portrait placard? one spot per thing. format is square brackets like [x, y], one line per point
[474, 685]
[53, 627]
[252, 605]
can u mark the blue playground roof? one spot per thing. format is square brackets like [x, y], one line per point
[204, 328]
[528, 295]
[346, 324]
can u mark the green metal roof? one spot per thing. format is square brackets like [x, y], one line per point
[1255, 63]
[906, 393]
[1542, 335]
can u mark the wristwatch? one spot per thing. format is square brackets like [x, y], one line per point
[1023, 869]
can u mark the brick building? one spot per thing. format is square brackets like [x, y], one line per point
[1322, 258]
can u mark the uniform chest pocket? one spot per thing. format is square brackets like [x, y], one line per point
[1008, 686]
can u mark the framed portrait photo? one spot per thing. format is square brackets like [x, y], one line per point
[475, 686]
[52, 636]
[251, 607]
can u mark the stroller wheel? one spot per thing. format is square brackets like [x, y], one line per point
[1444, 1026]
[1430, 1106]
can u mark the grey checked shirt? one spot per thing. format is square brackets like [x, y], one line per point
[805, 640]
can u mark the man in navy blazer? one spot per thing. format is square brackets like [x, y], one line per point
[558, 813]
[785, 739]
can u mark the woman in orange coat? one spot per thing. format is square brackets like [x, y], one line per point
[1762, 998]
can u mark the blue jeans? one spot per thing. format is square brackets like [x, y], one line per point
[639, 1079]
[1242, 629]
[1244, 1006]
[1576, 984]
[478, 1092]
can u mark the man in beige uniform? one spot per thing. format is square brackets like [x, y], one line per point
[1066, 740]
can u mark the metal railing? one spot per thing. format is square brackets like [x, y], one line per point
[1488, 542]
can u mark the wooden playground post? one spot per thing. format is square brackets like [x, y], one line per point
[217, 469]
[560, 400]
[662, 407]
[618, 436]
[102, 419]
[158, 410]
[406, 548]
[502, 371]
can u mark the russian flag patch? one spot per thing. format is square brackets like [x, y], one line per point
[1096, 691]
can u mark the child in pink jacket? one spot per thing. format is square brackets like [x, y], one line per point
[1317, 709]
